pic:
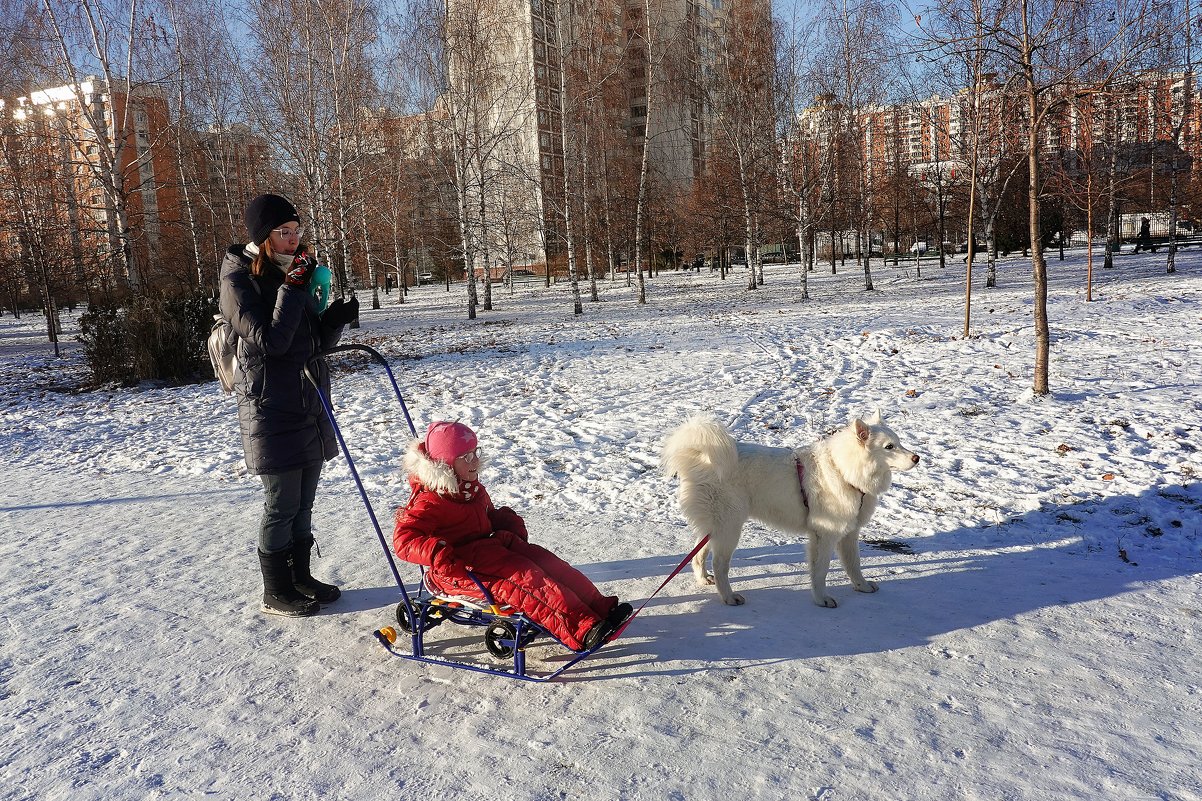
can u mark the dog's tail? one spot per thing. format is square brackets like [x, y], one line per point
[700, 451]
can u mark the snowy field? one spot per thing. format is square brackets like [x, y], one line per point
[1036, 635]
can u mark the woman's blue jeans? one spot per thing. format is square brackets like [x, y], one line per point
[287, 508]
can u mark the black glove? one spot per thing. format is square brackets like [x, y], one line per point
[301, 270]
[340, 313]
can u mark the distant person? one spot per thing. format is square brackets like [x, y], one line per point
[451, 526]
[267, 294]
[1144, 240]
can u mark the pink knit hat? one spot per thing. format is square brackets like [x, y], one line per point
[445, 442]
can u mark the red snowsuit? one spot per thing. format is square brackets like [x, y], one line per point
[491, 543]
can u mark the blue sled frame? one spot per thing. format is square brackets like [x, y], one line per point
[506, 635]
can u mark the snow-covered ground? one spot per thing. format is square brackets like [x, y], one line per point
[1035, 636]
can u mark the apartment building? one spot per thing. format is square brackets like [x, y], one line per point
[519, 100]
[1138, 111]
[110, 142]
[231, 165]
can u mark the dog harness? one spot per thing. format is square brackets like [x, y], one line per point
[801, 481]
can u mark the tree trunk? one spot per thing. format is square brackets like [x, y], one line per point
[1039, 267]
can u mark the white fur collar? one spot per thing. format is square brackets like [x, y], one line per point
[431, 474]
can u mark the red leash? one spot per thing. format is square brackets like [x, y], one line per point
[696, 549]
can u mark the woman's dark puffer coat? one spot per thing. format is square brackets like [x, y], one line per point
[284, 426]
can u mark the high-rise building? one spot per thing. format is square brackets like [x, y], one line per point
[231, 167]
[110, 144]
[509, 102]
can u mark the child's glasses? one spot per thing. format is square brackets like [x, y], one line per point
[471, 456]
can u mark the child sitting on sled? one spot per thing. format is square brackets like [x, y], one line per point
[451, 526]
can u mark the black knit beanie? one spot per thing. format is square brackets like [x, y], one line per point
[265, 213]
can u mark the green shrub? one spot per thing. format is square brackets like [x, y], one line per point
[148, 337]
[103, 332]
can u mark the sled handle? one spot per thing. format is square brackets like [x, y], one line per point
[379, 358]
[350, 462]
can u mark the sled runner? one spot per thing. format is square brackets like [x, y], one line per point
[506, 632]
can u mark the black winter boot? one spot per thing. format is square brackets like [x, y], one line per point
[279, 595]
[303, 580]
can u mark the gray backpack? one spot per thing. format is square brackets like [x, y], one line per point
[223, 352]
[223, 349]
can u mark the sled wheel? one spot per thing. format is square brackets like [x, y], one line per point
[427, 616]
[499, 637]
[402, 616]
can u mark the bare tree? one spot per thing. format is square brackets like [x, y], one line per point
[1182, 111]
[1041, 50]
[488, 115]
[857, 56]
[643, 32]
[105, 37]
[799, 178]
[740, 90]
[189, 34]
[1040, 43]
[308, 93]
[966, 58]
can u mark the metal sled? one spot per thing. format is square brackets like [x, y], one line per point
[506, 633]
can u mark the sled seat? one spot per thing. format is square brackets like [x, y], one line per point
[476, 603]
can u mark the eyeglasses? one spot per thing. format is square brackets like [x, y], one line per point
[288, 232]
[471, 456]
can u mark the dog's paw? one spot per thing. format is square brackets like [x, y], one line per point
[867, 586]
[708, 580]
[734, 600]
[826, 601]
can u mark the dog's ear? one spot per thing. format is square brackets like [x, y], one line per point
[874, 419]
[862, 431]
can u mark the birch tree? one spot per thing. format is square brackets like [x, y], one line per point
[1182, 110]
[487, 105]
[857, 52]
[102, 38]
[740, 92]
[798, 176]
[307, 93]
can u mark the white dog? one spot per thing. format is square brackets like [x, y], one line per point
[827, 491]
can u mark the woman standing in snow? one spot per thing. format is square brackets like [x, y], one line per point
[267, 298]
[451, 526]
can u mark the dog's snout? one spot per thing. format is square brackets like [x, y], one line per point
[914, 458]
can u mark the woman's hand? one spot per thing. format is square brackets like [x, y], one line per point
[340, 313]
[301, 270]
